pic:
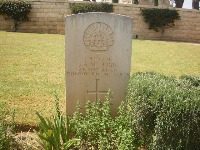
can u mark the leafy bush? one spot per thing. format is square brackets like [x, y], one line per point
[158, 19]
[6, 128]
[90, 7]
[55, 134]
[165, 111]
[17, 10]
[99, 131]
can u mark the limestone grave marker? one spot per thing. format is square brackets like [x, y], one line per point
[126, 1]
[97, 58]
[107, 1]
[145, 2]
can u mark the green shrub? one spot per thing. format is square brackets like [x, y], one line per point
[6, 128]
[99, 131]
[17, 10]
[55, 133]
[158, 19]
[165, 111]
[90, 7]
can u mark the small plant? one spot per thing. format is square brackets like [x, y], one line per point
[55, 134]
[99, 131]
[17, 10]
[90, 7]
[6, 128]
[159, 19]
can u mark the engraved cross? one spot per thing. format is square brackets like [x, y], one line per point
[97, 91]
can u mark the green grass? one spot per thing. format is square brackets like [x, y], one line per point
[32, 69]
[169, 58]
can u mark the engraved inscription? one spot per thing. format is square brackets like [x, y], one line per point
[98, 37]
[98, 66]
[97, 91]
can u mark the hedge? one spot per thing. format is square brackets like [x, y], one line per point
[165, 111]
[90, 7]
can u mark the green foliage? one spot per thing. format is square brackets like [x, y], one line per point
[55, 134]
[99, 131]
[160, 18]
[90, 7]
[17, 10]
[165, 111]
[6, 128]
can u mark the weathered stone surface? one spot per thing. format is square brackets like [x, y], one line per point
[98, 56]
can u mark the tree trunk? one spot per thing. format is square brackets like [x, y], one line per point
[195, 4]
[14, 28]
[179, 3]
[162, 30]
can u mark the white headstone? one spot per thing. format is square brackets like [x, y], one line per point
[98, 58]
[107, 1]
[145, 2]
[126, 1]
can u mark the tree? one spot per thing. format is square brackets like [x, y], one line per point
[195, 4]
[179, 3]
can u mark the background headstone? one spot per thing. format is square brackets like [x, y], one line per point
[126, 1]
[98, 58]
[107, 1]
[164, 3]
[145, 2]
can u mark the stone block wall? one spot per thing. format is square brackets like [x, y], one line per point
[47, 16]
[186, 29]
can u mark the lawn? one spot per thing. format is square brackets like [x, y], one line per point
[32, 69]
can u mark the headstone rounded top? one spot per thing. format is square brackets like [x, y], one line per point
[96, 14]
[98, 37]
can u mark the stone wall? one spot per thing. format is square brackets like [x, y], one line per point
[186, 29]
[47, 16]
